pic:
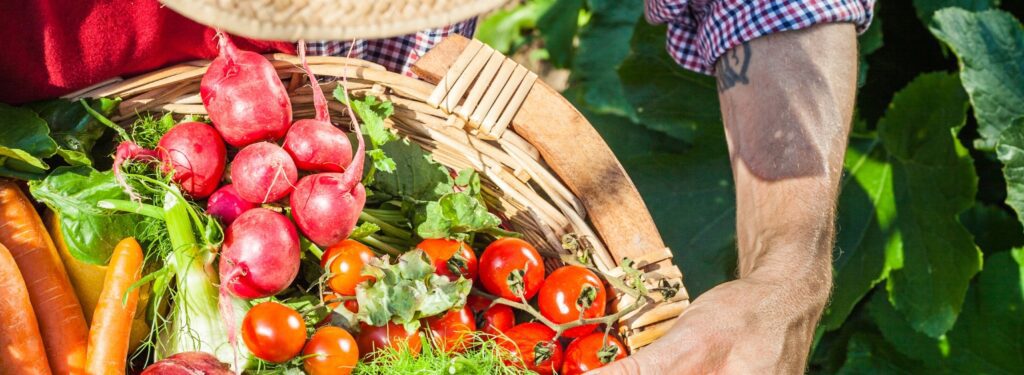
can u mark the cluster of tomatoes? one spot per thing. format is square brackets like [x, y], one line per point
[509, 268]
[513, 270]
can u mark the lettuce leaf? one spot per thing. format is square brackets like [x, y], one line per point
[73, 129]
[89, 231]
[24, 143]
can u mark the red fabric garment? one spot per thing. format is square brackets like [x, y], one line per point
[53, 47]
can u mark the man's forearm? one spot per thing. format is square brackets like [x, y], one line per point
[787, 100]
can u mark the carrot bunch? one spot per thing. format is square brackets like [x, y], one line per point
[42, 327]
[52, 301]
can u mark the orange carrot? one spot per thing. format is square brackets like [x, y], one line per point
[21, 346]
[61, 322]
[112, 320]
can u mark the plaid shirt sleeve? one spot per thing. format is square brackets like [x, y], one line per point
[699, 31]
[396, 54]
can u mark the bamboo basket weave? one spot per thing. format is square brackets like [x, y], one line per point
[467, 120]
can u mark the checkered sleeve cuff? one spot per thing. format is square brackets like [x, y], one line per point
[700, 31]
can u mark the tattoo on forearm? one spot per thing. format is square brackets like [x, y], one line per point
[732, 68]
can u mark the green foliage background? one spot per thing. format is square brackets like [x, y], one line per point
[929, 255]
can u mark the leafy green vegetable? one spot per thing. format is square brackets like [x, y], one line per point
[73, 129]
[458, 215]
[655, 85]
[416, 175]
[195, 322]
[990, 48]
[486, 358]
[90, 232]
[364, 229]
[934, 181]
[405, 291]
[24, 143]
[372, 113]
[147, 130]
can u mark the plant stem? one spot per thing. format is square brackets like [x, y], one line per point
[498, 232]
[104, 120]
[311, 247]
[132, 207]
[380, 245]
[396, 241]
[392, 216]
[388, 229]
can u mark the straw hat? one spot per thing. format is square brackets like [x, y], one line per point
[328, 19]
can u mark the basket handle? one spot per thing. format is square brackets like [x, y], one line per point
[576, 153]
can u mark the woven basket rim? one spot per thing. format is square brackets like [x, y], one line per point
[516, 178]
[329, 19]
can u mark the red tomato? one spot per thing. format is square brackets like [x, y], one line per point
[331, 350]
[567, 291]
[352, 305]
[345, 262]
[392, 335]
[492, 320]
[588, 352]
[273, 332]
[453, 331]
[527, 340]
[451, 258]
[504, 256]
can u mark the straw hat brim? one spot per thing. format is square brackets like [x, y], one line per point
[328, 19]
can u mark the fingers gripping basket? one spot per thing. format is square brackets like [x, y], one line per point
[544, 167]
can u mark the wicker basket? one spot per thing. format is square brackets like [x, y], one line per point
[543, 166]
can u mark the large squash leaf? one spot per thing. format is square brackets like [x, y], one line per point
[866, 222]
[933, 182]
[603, 45]
[667, 98]
[990, 48]
[926, 8]
[986, 338]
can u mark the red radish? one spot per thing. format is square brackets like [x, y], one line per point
[128, 150]
[263, 172]
[195, 155]
[244, 96]
[260, 257]
[189, 363]
[318, 146]
[326, 206]
[315, 144]
[192, 152]
[226, 205]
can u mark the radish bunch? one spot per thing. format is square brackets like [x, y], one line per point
[312, 169]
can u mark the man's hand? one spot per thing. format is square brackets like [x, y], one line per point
[787, 101]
